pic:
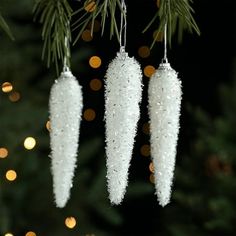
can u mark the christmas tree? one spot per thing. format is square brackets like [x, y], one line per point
[203, 191]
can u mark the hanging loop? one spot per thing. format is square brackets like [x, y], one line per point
[165, 60]
[123, 25]
[66, 63]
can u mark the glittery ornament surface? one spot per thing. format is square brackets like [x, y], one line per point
[164, 95]
[123, 92]
[65, 115]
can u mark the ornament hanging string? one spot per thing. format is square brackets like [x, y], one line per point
[65, 109]
[67, 55]
[164, 96]
[66, 63]
[123, 94]
[165, 60]
[123, 26]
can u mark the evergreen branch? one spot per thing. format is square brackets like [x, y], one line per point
[177, 14]
[55, 18]
[91, 10]
[5, 27]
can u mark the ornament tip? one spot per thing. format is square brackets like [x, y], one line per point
[164, 203]
[116, 201]
[61, 203]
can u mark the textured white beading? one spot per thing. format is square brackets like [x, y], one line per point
[65, 106]
[164, 95]
[123, 92]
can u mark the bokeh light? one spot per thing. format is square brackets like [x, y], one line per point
[30, 233]
[7, 87]
[90, 6]
[48, 125]
[95, 84]
[146, 128]
[149, 70]
[14, 96]
[8, 234]
[89, 114]
[152, 178]
[96, 26]
[158, 36]
[3, 152]
[145, 150]
[227, 169]
[95, 62]
[11, 175]
[144, 51]
[29, 143]
[70, 222]
[87, 36]
[151, 167]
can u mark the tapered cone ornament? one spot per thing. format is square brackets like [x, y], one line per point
[65, 106]
[123, 92]
[164, 97]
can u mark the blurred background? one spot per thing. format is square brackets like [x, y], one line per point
[204, 191]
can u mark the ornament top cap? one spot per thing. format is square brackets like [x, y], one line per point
[122, 53]
[164, 66]
[66, 73]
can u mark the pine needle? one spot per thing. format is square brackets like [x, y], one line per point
[105, 9]
[178, 15]
[5, 27]
[55, 18]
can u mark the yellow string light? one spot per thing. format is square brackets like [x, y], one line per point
[70, 222]
[30, 233]
[96, 26]
[11, 175]
[29, 143]
[145, 150]
[14, 96]
[90, 6]
[95, 62]
[146, 128]
[8, 234]
[151, 167]
[89, 114]
[152, 178]
[7, 87]
[95, 84]
[86, 35]
[3, 152]
[149, 70]
[144, 51]
[158, 36]
[48, 125]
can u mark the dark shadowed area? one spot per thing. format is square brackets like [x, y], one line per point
[204, 189]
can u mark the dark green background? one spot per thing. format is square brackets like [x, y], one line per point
[204, 191]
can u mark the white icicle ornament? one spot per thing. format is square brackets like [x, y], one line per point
[123, 92]
[164, 95]
[65, 107]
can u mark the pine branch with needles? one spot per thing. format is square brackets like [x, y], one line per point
[55, 17]
[92, 9]
[177, 15]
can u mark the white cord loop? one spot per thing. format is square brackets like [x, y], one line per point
[123, 26]
[165, 60]
[66, 63]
